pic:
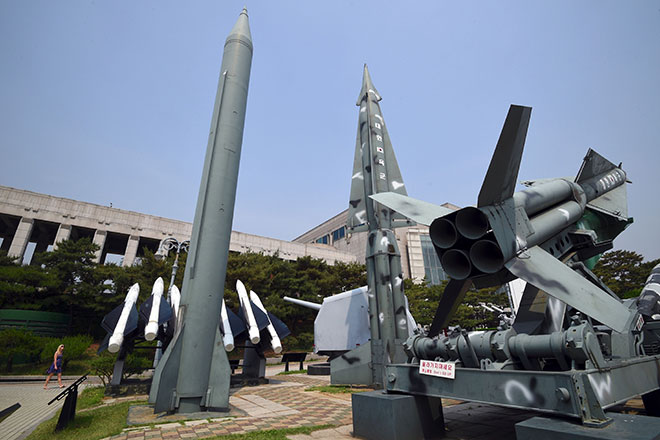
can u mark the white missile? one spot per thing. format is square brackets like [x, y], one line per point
[228, 337]
[117, 337]
[175, 298]
[274, 339]
[151, 329]
[253, 329]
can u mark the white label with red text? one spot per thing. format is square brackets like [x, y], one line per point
[440, 369]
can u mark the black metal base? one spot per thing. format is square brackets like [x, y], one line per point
[322, 369]
[240, 380]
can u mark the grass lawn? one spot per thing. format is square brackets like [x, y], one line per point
[90, 397]
[272, 434]
[88, 425]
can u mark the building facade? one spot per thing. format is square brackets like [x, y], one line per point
[418, 258]
[31, 223]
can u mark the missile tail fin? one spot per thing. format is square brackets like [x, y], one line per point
[544, 271]
[163, 384]
[593, 165]
[280, 327]
[110, 320]
[416, 210]
[217, 394]
[500, 181]
[449, 302]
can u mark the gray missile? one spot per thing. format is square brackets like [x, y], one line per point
[531, 233]
[194, 373]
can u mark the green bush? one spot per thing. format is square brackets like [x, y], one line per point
[75, 348]
[302, 342]
[102, 367]
[18, 342]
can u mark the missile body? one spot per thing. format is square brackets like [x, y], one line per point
[274, 339]
[250, 320]
[151, 329]
[375, 170]
[117, 337]
[228, 336]
[194, 373]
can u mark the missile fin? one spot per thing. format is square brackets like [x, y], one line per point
[104, 344]
[110, 320]
[357, 211]
[165, 312]
[449, 302]
[217, 395]
[259, 316]
[500, 181]
[544, 271]
[164, 382]
[531, 311]
[416, 210]
[280, 327]
[614, 203]
[238, 327]
[593, 165]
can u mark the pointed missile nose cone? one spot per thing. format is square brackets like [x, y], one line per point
[133, 292]
[367, 87]
[240, 288]
[159, 286]
[241, 31]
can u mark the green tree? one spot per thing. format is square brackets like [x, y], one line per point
[14, 342]
[624, 272]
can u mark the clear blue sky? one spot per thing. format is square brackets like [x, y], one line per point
[111, 101]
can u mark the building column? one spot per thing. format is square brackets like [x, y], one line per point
[63, 233]
[21, 238]
[99, 239]
[131, 250]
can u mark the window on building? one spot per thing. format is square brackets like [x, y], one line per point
[338, 233]
[324, 239]
[432, 268]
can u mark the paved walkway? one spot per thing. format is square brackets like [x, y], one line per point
[282, 404]
[34, 406]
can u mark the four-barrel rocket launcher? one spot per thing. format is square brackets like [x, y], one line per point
[541, 235]
[253, 324]
[126, 324]
[342, 321]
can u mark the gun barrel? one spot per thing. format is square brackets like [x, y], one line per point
[300, 302]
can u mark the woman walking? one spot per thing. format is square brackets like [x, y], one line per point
[56, 366]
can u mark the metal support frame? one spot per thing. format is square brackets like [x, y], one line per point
[583, 394]
[68, 412]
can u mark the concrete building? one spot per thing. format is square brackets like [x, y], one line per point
[418, 257]
[31, 223]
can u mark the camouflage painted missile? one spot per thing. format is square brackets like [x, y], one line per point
[529, 234]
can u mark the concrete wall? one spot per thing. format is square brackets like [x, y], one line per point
[29, 217]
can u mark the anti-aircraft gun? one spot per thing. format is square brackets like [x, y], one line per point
[575, 348]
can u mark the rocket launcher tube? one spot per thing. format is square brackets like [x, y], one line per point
[117, 337]
[253, 328]
[274, 339]
[227, 337]
[151, 329]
